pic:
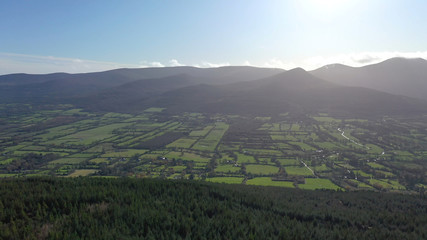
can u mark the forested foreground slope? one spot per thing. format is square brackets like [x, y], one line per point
[99, 208]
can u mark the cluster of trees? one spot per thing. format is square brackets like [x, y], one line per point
[30, 161]
[98, 208]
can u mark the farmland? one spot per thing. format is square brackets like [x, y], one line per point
[315, 151]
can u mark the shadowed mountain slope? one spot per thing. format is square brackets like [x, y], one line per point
[400, 76]
[294, 90]
[44, 88]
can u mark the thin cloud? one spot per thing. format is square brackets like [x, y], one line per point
[21, 63]
[145, 64]
[175, 63]
[18, 63]
[357, 59]
[247, 63]
[276, 63]
[213, 65]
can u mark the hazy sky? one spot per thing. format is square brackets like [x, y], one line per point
[91, 35]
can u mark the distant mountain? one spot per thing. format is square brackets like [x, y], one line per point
[118, 98]
[234, 90]
[57, 86]
[400, 76]
[294, 90]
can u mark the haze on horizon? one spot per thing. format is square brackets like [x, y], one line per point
[82, 36]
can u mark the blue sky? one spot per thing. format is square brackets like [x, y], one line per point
[83, 36]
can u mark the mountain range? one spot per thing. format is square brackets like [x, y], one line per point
[400, 76]
[395, 86]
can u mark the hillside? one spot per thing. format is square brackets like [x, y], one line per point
[294, 90]
[90, 208]
[59, 86]
[400, 76]
[234, 90]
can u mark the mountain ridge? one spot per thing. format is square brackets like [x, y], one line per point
[400, 76]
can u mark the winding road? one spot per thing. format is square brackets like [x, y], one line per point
[351, 140]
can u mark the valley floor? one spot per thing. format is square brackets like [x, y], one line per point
[306, 151]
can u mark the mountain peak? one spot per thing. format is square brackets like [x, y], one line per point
[296, 70]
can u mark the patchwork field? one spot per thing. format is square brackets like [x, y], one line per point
[219, 148]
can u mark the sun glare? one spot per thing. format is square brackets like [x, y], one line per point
[325, 9]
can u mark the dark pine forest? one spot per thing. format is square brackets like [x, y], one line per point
[100, 208]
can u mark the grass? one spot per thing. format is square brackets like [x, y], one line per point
[89, 136]
[210, 142]
[7, 175]
[326, 119]
[229, 180]
[284, 146]
[103, 147]
[289, 162]
[388, 184]
[265, 152]
[327, 145]
[68, 160]
[266, 181]
[20, 153]
[187, 156]
[302, 171]
[295, 127]
[82, 172]
[374, 149]
[14, 148]
[201, 133]
[261, 169]
[303, 146]
[360, 184]
[184, 142]
[276, 137]
[318, 183]
[362, 173]
[321, 168]
[33, 148]
[73, 159]
[6, 161]
[57, 132]
[124, 153]
[227, 168]
[243, 158]
[98, 160]
[375, 165]
[178, 168]
[386, 174]
[154, 110]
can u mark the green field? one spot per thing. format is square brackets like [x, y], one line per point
[386, 184]
[318, 183]
[227, 168]
[201, 133]
[266, 181]
[261, 169]
[377, 166]
[89, 136]
[230, 180]
[244, 158]
[156, 143]
[187, 156]
[210, 142]
[124, 153]
[302, 171]
[82, 172]
[184, 142]
[289, 162]
[69, 160]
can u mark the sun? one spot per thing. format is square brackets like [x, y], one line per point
[329, 5]
[326, 9]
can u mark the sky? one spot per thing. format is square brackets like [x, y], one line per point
[85, 36]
